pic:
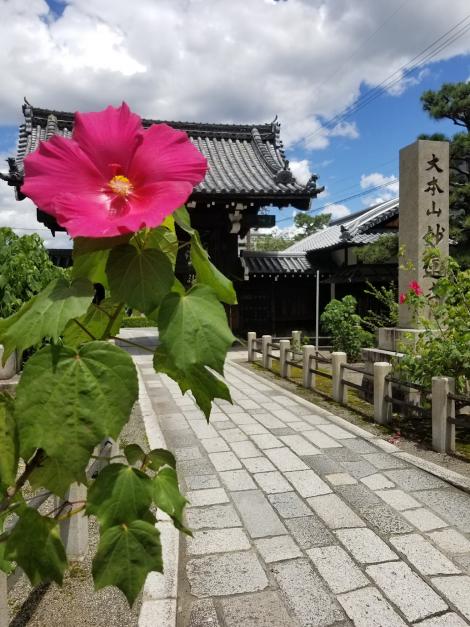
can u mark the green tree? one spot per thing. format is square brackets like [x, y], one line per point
[310, 224]
[345, 326]
[25, 269]
[452, 102]
[270, 242]
[384, 249]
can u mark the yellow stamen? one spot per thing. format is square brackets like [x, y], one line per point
[121, 185]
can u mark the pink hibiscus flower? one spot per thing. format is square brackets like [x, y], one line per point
[402, 299]
[113, 176]
[416, 288]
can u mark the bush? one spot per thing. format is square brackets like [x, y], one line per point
[342, 322]
[137, 322]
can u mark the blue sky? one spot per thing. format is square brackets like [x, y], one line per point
[304, 60]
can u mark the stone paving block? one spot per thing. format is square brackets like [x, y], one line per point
[188, 452]
[383, 461]
[361, 447]
[311, 603]
[409, 592]
[398, 499]
[195, 467]
[457, 590]
[203, 430]
[444, 620]
[272, 482]
[340, 478]
[262, 609]
[334, 512]
[258, 464]
[165, 609]
[201, 482]
[289, 505]
[225, 425]
[266, 440]
[212, 517]
[216, 417]
[285, 415]
[385, 446]
[414, 479]
[215, 445]
[282, 431]
[284, 459]
[337, 568]
[314, 419]
[203, 613]
[269, 421]
[233, 435]
[322, 464]
[247, 403]
[300, 425]
[229, 573]
[358, 469]
[451, 504]
[424, 519]
[211, 496]
[277, 549]
[217, 541]
[450, 540]
[225, 461]
[336, 432]
[237, 480]
[307, 483]
[245, 449]
[365, 546]
[257, 514]
[385, 519]
[368, 608]
[358, 496]
[309, 531]
[254, 429]
[299, 445]
[321, 440]
[377, 482]
[423, 556]
[242, 419]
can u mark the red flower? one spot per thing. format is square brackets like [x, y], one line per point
[416, 288]
[402, 299]
[113, 176]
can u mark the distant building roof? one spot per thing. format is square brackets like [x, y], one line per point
[246, 161]
[357, 229]
[262, 262]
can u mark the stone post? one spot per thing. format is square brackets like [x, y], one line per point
[424, 215]
[296, 340]
[4, 613]
[309, 377]
[382, 388]
[265, 340]
[339, 389]
[74, 530]
[443, 432]
[284, 347]
[251, 345]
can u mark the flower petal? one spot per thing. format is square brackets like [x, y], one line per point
[59, 166]
[166, 154]
[109, 137]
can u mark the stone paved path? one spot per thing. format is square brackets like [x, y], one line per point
[301, 519]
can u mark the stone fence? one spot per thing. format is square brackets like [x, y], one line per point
[446, 408]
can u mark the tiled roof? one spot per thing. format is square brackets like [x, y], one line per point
[261, 262]
[245, 161]
[357, 229]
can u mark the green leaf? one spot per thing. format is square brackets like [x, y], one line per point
[139, 278]
[194, 330]
[120, 494]
[8, 442]
[90, 256]
[101, 321]
[167, 496]
[160, 457]
[35, 545]
[134, 453]
[54, 475]
[183, 220]
[68, 400]
[45, 315]
[125, 556]
[204, 385]
[164, 240]
[207, 273]
[6, 566]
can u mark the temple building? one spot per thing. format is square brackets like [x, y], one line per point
[248, 170]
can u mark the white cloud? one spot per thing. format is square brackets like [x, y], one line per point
[386, 193]
[301, 170]
[345, 129]
[337, 211]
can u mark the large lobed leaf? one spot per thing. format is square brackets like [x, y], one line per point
[68, 400]
[45, 315]
[125, 555]
[208, 274]
[101, 321]
[167, 496]
[8, 443]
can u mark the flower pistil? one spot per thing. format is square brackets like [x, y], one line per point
[121, 186]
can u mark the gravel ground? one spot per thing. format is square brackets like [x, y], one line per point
[76, 603]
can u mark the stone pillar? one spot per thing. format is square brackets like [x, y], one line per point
[424, 214]
[284, 347]
[339, 389]
[74, 530]
[382, 388]
[9, 369]
[4, 613]
[309, 377]
[265, 340]
[251, 342]
[443, 433]
[296, 340]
